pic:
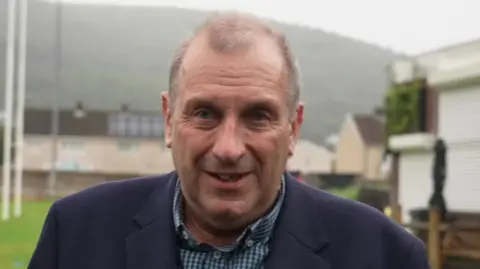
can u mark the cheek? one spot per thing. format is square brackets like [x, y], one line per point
[189, 144]
[271, 148]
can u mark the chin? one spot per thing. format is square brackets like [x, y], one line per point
[228, 210]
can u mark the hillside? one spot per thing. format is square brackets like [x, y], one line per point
[114, 55]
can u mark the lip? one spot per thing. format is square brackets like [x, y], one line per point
[227, 172]
[225, 184]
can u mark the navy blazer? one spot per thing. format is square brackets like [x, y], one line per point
[129, 224]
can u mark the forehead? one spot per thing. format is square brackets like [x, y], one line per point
[262, 51]
[251, 74]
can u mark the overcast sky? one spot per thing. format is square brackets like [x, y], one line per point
[410, 26]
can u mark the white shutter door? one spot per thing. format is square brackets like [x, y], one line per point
[459, 115]
[462, 190]
[459, 126]
[415, 182]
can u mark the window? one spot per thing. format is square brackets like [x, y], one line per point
[146, 126]
[117, 124]
[133, 126]
[128, 124]
[157, 126]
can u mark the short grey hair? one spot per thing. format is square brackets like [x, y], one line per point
[230, 32]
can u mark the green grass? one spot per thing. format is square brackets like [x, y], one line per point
[349, 192]
[18, 237]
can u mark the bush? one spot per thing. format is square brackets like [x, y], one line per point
[405, 105]
[348, 192]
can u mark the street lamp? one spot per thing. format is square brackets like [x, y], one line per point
[79, 111]
[52, 178]
[124, 108]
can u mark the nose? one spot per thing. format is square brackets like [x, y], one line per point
[229, 146]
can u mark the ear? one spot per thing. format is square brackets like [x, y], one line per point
[167, 115]
[295, 127]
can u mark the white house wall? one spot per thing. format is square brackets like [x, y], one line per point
[448, 70]
[310, 158]
[446, 59]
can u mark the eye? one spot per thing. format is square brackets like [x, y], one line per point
[204, 113]
[259, 117]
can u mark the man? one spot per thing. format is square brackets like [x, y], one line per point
[233, 117]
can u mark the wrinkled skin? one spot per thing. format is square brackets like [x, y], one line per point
[230, 115]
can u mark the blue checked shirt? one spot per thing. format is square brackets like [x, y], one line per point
[248, 252]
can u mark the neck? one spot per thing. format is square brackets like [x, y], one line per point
[206, 233]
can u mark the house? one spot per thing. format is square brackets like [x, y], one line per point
[310, 158]
[360, 147]
[450, 111]
[92, 147]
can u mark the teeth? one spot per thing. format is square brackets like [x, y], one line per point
[228, 177]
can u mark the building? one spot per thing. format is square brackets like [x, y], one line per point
[92, 147]
[360, 147]
[451, 107]
[310, 158]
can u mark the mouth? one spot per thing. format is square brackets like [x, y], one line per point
[227, 177]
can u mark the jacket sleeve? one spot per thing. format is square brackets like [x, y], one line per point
[46, 251]
[416, 257]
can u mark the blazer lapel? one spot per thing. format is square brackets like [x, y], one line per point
[152, 243]
[298, 240]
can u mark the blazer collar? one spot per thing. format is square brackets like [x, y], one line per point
[152, 243]
[298, 240]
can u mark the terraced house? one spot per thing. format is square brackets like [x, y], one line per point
[92, 147]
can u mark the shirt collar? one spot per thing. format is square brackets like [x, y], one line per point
[259, 231]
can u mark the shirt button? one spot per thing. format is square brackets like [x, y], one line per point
[217, 255]
[249, 243]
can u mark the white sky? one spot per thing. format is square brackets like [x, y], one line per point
[411, 26]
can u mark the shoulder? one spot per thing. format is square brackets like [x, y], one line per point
[123, 197]
[337, 212]
[348, 222]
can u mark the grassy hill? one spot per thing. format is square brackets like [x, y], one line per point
[114, 55]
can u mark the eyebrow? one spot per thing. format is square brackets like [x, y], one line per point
[262, 104]
[197, 101]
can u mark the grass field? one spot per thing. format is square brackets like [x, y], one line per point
[18, 237]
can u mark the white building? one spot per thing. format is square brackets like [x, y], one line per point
[310, 158]
[453, 74]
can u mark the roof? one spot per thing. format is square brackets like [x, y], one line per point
[371, 129]
[304, 144]
[132, 124]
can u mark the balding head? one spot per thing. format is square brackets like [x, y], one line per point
[232, 33]
[232, 111]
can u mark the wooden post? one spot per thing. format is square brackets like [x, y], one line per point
[434, 247]
[394, 188]
[397, 213]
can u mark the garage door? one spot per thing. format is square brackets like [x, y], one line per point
[463, 177]
[459, 115]
[459, 125]
[415, 183]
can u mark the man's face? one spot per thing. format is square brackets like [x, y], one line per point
[231, 131]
